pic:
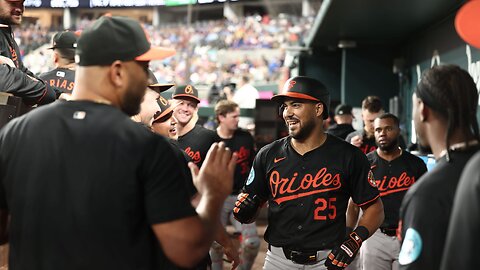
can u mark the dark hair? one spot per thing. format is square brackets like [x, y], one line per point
[372, 104]
[390, 116]
[67, 54]
[451, 92]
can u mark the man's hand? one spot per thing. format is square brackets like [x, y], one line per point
[342, 255]
[215, 178]
[246, 207]
[357, 140]
[232, 254]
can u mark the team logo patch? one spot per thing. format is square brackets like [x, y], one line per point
[291, 84]
[163, 101]
[411, 247]
[251, 176]
[189, 89]
[371, 180]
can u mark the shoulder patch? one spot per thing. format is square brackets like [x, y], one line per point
[251, 176]
[411, 247]
[371, 179]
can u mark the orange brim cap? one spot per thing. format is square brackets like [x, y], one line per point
[159, 87]
[279, 97]
[156, 53]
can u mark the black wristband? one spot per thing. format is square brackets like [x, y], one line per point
[362, 232]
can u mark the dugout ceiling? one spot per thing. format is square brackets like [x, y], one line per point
[369, 22]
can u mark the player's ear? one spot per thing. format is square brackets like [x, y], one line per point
[116, 73]
[424, 110]
[319, 109]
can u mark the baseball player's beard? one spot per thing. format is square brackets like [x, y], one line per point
[389, 147]
[304, 131]
[131, 104]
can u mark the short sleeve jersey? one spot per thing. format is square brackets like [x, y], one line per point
[393, 179]
[340, 130]
[425, 212]
[243, 144]
[197, 142]
[60, 78]
[308, 195]
[368, 144]
[463, 237]
[83, 180]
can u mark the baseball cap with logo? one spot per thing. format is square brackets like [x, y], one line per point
[186, 91]
[114, 38]
[155, 86]
[165, 109]
[64, 40]
[343, 109]
[302, 87]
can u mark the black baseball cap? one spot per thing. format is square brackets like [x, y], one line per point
[64, 40]
[166, 107]
[302, 87]
[186, 91]
[343, 109]
[116, 38]
[155, 86]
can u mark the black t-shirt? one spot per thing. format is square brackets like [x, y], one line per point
[60, 78]
[17, 83]
[340, 130]
[308, 195]
[197, 142]
[368, 144]
[182, 156]
[83, 184]
[425, 212]
[393, 179]
[461, 246]
[242, 143]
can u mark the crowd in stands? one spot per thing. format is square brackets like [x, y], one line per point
[207, 45]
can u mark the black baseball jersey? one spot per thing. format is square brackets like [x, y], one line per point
[461, 246]
[393, 179]
[308, 195]
[242, 143]
[9, 48]
[81, 179]
[425, 212]
[60, 78]
[31, 90]
[340, 130]
[196, 143]
[368, 144]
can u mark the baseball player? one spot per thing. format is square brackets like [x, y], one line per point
[227, 114]
[165, 124]
[149, 105]
[63, 76]
[444, 113]
[102, 192]
[461, 245]
[307, 184]
[194, 139]
[11, 13]
[394, 171]
[343, 122]
[18, 83]
[365, 139]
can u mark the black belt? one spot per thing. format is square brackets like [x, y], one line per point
[300, 257]
[389, 231]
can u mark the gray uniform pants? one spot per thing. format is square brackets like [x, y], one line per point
[276, 260]
[380, 252]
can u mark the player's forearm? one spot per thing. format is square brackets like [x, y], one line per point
[373, 216]
[352, 214]
[208, 210]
